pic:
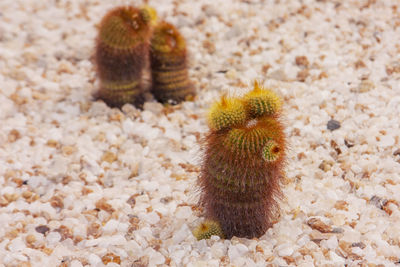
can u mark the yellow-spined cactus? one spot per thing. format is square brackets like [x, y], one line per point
[207, 229]
[243, 163]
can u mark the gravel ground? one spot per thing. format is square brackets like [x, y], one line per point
[85, 185]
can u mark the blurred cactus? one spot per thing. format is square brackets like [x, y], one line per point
[122, 54]
[207, 229]
[170, 81]
[243, 163]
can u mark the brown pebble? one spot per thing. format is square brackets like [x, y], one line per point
[65, 232]
[13, 136]
[317, 224]
[43, 229]
[131, 201]
[142, 262]
[110, 257]
[341, 205]
[302, 75]
[209, 46]
[94, 229]
[109, 157]
[302, 61]
[57, 202]
[396, 152]
[103, 205]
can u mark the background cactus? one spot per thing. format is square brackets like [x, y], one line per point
[243, 165]
[169, 65]
[122, 54]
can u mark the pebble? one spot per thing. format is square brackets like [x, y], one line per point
[333, 125]
[236, 251]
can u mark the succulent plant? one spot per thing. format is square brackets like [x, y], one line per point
[206, 229]
[243, 163]
[122, 54]
[168, 60]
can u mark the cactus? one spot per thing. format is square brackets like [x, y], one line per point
[169, 65]
[122, 53]
[207, 229]
[227, 112]
[243, 163]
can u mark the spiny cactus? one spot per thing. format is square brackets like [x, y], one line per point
[207, 229]
[227, 112]
[243, 163]
[169, 65]
[262, 102]
[122, 54]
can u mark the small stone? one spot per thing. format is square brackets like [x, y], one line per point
[94, 229]
[285, 250]
[131, 201]
[13, 136]
[57, 202]
[302, 75]
[109, 157]
[236, 251]
[396, 152]
[111, 257]
[366, 86]
[333, 125]
[43, 229]
[358, 244]
[377, 202]
[103, 205]
[386, 141]
[302, 61]
[317, 224]
[279, 75]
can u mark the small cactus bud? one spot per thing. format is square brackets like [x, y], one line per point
[228, 112]
[207, 229]
[122, 53]
[262, 102]
[169, 65]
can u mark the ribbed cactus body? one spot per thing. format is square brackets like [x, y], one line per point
[122, 54]
[169, 65]
[241, 171]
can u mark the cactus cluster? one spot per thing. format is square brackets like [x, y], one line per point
[129, 40]
[243, 163]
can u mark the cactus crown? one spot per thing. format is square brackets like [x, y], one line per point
[207, 229]
[167, 39]
[228, 112]
[262, 102]
[125, 27]
[149, 14]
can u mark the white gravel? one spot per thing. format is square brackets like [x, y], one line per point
[85, 185]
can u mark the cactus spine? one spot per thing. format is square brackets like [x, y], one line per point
[243, 163]
[169, 65]
[122, 54]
